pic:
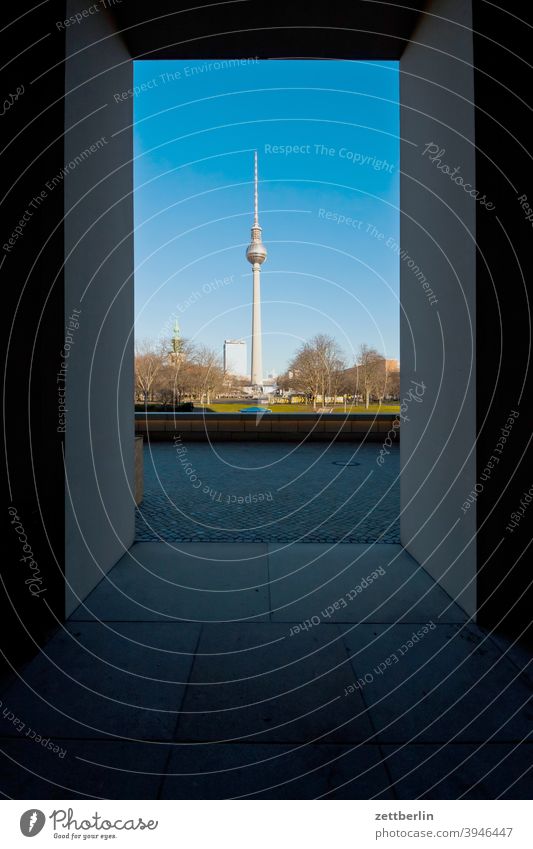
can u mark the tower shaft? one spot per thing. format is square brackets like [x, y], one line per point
[257, 347]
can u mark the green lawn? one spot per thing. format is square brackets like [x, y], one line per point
[303, 408]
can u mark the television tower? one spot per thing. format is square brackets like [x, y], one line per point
[256, 255]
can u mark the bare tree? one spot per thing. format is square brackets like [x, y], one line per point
[317, 368]
[149, 360]
[234, 384]
[393, 383]
[348, 382]
[204, 374]
[173, 378]
[285, 381]
[371, 374]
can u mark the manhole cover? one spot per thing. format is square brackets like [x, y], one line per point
[342, 463]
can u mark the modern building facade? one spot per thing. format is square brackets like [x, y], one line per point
[235, 357]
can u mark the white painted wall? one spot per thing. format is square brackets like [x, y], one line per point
[99, 282]
[437, 340]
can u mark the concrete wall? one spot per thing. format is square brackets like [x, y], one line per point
[99, 436]
[438, 220]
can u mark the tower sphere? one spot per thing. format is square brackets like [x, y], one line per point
[256, 251]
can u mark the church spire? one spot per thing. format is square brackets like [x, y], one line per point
[176, 338]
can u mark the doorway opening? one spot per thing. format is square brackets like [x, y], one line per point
[268, 396]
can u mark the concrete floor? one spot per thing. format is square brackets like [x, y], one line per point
[231, 670]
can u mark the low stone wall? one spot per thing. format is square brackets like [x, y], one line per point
[274, 427]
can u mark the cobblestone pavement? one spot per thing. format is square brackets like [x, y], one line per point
[279, 492]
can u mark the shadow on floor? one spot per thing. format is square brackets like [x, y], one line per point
[268, 671]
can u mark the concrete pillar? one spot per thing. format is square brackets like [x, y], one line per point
[438, 299]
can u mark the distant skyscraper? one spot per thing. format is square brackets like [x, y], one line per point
[235, 357]
[256, 255]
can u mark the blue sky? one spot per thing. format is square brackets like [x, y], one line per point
[327, 135]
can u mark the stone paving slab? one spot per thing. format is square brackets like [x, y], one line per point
[254, 682]
[276, 771]
[461, 771]
[93, 679]
[354, 583]
[198, 582]
[83, 769]
[448, 683]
